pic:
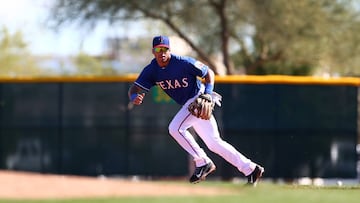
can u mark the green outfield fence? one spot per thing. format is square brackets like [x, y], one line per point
[295, 126]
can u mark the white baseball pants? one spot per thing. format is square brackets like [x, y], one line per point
[209, 133]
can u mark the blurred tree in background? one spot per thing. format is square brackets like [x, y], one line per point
[15, 59]
[88, 65]
[248, 36]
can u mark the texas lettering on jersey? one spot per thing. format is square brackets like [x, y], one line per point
[173, 84]
[179, 79]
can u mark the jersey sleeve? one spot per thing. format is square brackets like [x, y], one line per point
[198, 68]
[145, 80]
[202, 67]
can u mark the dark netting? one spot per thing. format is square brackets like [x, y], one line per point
[90, 129]
[294, 130]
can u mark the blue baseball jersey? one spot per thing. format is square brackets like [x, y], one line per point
[179, 79]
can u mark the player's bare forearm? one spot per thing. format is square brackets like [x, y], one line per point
[210, 77]
[209, 81]
[135, 95]
[133, 90]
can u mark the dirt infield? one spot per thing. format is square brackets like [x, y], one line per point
[26, 185]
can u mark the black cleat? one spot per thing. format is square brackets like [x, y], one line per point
[201, 172]
[255, 176]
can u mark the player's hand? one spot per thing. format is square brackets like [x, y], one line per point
[138, 99]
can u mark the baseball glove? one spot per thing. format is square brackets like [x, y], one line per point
[202, 107]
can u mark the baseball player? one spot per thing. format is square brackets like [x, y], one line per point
[178, 76]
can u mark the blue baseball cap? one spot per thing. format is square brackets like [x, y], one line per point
[161, 41]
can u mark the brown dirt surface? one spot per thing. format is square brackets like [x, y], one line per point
[27, 185]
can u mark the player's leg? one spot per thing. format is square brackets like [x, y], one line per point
[178, 129]
[209, 133]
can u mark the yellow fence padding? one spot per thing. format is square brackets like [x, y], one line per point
[236, 79]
